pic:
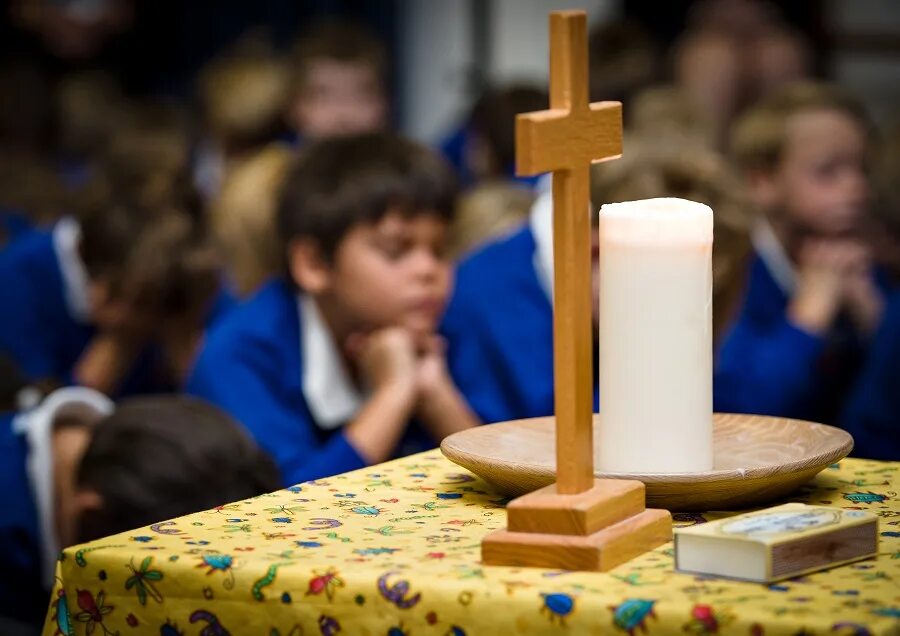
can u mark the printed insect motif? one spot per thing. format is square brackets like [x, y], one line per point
[320, 523]
[398, 593]
[375, 551]
[372, 511]
[213, 627]
[142, 579]
[705, 621]
[327, 583]
[158, 528]
[64, 625]
[92, 611]
[455, 630]
[285, 509]
[558, 606]
[219, 563]
[397, 630]
[865, 497]
[632, 614]
[328, 625]
[267, 580]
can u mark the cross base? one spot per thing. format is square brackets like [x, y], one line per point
[593, 530]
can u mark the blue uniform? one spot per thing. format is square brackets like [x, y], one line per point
[252, 367]
[499, 331]
[13, 225]
[767, 365]
[22, 593]
[872, 414]
[39, 330]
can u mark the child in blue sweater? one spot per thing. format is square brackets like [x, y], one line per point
[114, 299]
[813, 296]
[327, 365]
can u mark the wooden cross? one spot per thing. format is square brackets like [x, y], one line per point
[580, 522]
[565, 140]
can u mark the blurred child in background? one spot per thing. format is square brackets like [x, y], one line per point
[242, 217]
[77, 469]
[813, 299]
[242, 101]
[114, 297]
[499, 324]
[326, 366]
[734, 53]
[483, 148]
[872, 411]
[487, 212]
[338, 83]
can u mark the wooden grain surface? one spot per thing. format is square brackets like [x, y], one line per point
[546, 511]
[600, 551]
[757, 460]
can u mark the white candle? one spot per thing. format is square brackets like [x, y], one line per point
[655, 336]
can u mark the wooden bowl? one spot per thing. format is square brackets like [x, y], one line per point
[757, 459]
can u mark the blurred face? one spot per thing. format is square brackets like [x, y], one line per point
[821, 182]
[391, 273]
[339, 98]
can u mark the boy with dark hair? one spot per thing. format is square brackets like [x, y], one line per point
[338, 83]
[76, 469]
[326, 366]
[813, 298]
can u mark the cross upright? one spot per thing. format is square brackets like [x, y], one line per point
[566, 139]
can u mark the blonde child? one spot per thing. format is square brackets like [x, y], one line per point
[812, 297]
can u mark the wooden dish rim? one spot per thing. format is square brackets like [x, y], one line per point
[758, 472]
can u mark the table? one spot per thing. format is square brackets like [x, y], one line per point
[393, 549]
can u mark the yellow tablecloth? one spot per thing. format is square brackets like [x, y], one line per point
[394, 549]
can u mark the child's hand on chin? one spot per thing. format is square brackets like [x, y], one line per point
[824, 266]
[386, 359]
[432, 376]
[863, 299]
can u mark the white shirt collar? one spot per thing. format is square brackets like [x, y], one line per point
[66, 236]
[774, 256]
[541, 223]
[37, 427]
[332, 397]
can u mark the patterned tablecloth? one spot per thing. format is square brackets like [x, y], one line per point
[394, 549]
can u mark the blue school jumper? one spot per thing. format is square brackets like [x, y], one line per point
[22, 593]
[767, 365]
[252, 367]
[872, 414]
[38, 331]
[499, 331]
[13, 225]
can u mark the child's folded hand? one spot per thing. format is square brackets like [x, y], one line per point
[863, 300]
[824, 265]
[431, 367]
[386, 358]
